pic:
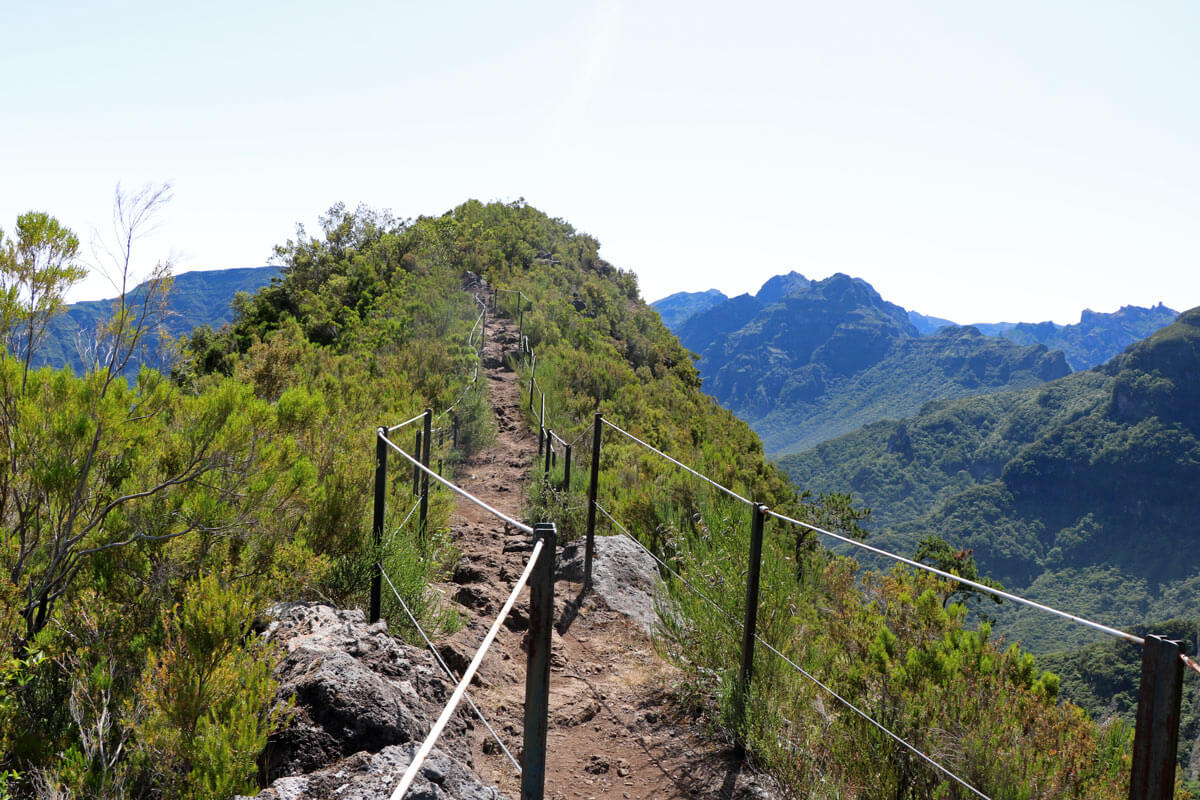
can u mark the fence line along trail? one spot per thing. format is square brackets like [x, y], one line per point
[613, 733]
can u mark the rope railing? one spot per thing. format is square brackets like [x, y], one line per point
[916, 751]
[680, 464]
[410, 774]
[400, 527]
[463, 395]
[918, 565]
[1154, 648]
[456, 489]
[1153, 751]
[481, 319]
[950, 576]
[449, 672]
[406, 422]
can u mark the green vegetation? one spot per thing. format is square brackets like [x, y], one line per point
[894, 644]
[145, 522]
[1103, 678]
[1079, 493]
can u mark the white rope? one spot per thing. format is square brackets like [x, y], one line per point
[729, 492]
[400, 527]
[965, 582]
[793, 664]
[457, 490]
[446, 668]
[410, 774]
[406, 422]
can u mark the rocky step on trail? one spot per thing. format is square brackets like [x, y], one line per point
[615, 732]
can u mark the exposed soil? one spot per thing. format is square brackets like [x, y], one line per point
[614, 730]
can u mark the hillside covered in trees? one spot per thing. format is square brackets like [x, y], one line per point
[147, 524]
[1080, 491]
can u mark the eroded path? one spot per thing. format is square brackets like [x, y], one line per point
[613, 731]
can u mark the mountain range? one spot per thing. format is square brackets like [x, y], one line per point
[196, 298]
[1079, 492]
[805, 361]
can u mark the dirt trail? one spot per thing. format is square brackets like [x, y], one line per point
[613, 731]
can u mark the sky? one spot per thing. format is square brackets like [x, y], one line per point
[1014, 161]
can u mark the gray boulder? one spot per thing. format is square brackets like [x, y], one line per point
[363, 703]
[623, 575]
[366, 776]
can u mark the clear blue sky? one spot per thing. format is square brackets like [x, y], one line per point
[1017, 160]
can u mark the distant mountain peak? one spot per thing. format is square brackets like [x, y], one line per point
[678, 308]
[781, 286]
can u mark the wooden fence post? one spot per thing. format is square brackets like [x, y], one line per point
[1156, 735]
[593, 482]
[537, 672]
[377, 523]
[749, 628]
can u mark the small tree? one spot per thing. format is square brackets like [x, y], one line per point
[36, 269]
[80, 456]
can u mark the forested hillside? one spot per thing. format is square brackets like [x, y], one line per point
[147, 525]
[1081, 491]
[803, 362]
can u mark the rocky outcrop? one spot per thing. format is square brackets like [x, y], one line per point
[366, 776]
[363, 703]
[623, 575]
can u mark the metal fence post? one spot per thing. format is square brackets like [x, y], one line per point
[537, 672]
[566, 484]
[590, 541]
[521, 318]
[377, 524]
[549, 450]
[416, 469]
[425, 475]
[1156, 735]
[541, 436]
[454, 431]
[746, 672]
[532, 372]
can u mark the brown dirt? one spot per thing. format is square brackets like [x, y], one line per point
[614, 729]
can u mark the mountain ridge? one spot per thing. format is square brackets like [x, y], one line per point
[803, 361]
[1080, 491]
[199, 297]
